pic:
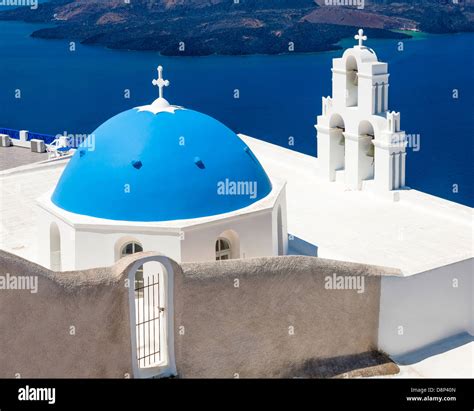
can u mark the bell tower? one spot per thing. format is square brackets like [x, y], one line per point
[360, 143]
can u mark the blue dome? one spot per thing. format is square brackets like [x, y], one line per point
[160, 167]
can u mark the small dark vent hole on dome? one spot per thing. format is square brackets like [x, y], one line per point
[137, 164]
[199, 163]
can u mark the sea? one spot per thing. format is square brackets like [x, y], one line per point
[55, 86]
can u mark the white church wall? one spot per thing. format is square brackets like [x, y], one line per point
[280, 225]
[249, 233]
[327, 163]
[365, 98]
[424, 308]
[97, 248]
[92, 242]
[43, 222]
[338, 83]
[93, 250]
[383, 169]
[66, 238]
[89, 245]
[168, 244]
[351, 175]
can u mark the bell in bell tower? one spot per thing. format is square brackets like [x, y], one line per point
[352, 82]
[373, 147]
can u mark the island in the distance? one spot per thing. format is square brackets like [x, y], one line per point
[238, 27]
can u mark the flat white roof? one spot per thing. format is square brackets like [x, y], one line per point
[450, 358]
[19, 189]
[415, 234]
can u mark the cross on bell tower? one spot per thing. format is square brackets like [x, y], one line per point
[160, 82]
[360, 36]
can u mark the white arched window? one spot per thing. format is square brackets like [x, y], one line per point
[223, 249]
[132, 248]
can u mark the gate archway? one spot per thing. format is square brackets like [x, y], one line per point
[151, 317]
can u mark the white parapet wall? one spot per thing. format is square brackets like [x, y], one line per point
[424, 308]
[22, 141]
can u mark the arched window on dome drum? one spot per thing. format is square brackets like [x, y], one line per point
[132, 248]
[223, 249]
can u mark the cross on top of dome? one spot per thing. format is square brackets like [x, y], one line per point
[360, 36]
[160, 82]
[160, 104]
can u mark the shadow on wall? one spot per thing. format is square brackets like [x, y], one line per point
[433, 349]
[365, 364]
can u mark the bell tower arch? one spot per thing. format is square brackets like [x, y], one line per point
[352, 82]
[373, 144]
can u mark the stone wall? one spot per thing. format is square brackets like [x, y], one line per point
[76, 325]
[265, 317]
[271, 317]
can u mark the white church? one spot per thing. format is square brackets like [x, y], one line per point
[190, 187]
[164, 178]
[185, 185]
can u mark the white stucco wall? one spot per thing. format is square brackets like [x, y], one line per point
[89, 248]
[283, 235]
[82, 249]
[67, 238]
[249, 237]
[88, 242]
[94, 249]
[252, 235]
[421, 309]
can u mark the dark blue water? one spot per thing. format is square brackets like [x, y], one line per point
[280, 96]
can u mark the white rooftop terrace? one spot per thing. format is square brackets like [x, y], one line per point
[417, 233]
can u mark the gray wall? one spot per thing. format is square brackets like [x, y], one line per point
[245, 330]
[227, 330]
[35, 338]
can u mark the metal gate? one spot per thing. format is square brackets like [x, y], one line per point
[148, 319]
